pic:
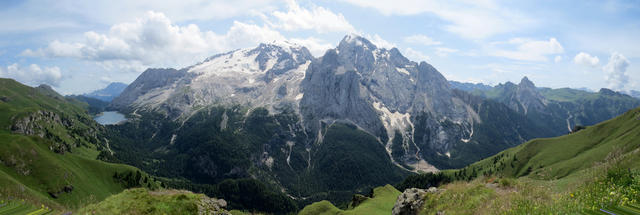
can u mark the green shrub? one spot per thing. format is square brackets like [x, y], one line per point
[506, 182]
[620, 176]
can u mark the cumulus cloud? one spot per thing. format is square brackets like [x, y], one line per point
[415, 55]
[421, 39]
[469, 19]
[616, 71]
[33, 74]
[317, 18]
[586, 60]
[154, 40]
[526, 49]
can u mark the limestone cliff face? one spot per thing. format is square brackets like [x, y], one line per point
[383, 92]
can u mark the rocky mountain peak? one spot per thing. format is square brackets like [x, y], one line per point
[528, 96]
[526, 83]
[280, 49]
[608, 92]
[352, 41]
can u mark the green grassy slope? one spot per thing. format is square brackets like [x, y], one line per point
[32, 171]
[595, 168]
[381, 202]
[143, 201]
[567, 94]
[20, 207]
[56, 166]
[552, 158]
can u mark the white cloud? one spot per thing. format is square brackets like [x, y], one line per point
[242, 35]
[320, 19]
[586, 59]
[148, 40]
[154, 40]
[379, 42]
[616, 71]
[421, 39]
[316, 46]
[527, 49]
[33, 74]
[557, 59]
[469, 19]
[415, 55]
[443, 51]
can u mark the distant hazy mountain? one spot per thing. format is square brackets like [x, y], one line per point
[108, 93]
[469, 86]
[633, 93]
[560, 109]
[586, 89]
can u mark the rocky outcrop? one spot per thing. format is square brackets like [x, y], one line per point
[212, 206]
[36, 123]
[410, 201]
[43, 123]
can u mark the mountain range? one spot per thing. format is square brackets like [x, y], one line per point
[356, 117]
[273, 128]
[552, 107]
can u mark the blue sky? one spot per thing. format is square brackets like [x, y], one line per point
[80, 46]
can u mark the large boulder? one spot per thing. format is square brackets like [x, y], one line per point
[410, 201]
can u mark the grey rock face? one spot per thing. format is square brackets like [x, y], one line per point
[382, 92]
[334, 93]
[147, 85]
